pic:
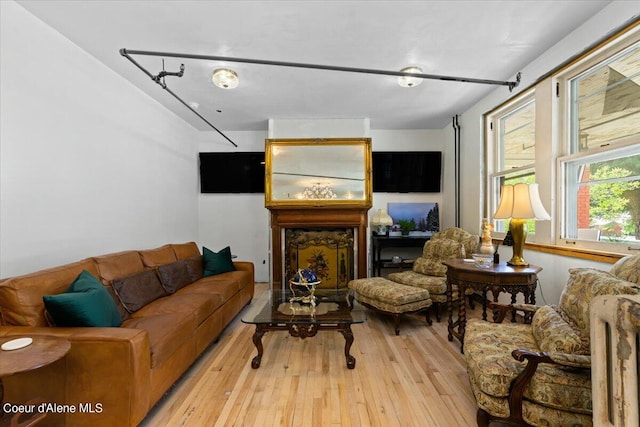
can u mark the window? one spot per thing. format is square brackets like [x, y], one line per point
[601, 173]
[512, 132]
[585, 119]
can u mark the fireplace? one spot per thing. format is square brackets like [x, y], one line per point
[333, 236]
[328, 252]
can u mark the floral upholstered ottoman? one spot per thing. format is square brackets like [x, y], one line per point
[391, 298]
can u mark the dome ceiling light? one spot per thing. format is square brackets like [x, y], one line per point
[225, 78]
[410, 81]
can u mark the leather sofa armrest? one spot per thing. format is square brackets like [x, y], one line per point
[110, 366]
[245, 266]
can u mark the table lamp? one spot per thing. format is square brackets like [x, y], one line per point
[381, 220]
[520, 202]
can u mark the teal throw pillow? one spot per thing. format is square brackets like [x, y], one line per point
[217, 262]
[85, 303]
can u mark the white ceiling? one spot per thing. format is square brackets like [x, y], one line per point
[478, 39]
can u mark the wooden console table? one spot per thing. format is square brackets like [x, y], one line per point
[380, 242]
[497, 278]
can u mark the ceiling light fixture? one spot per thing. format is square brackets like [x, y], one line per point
[409, 81]
[225, 78]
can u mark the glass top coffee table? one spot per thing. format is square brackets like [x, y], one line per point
[335, 310]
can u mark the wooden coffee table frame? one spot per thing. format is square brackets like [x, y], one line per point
[306, 326]
[497, 278]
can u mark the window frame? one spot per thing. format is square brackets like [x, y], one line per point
[494, 149]
[563, 81]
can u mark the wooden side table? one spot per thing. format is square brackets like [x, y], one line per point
[496, 278]
[41, 352]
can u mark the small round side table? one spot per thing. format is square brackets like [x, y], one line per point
[41, 352]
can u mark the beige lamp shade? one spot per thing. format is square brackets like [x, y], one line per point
[520, 202]
[381, 218]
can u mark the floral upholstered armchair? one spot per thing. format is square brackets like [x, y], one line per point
[540, 373]
[428, 271]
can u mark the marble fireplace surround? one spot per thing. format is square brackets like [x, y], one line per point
[320, 219]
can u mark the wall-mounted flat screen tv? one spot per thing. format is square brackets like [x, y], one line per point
[406, 171]
[232, 172]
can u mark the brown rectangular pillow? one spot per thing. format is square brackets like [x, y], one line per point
[195, 265]
[138, 290]
[174, 276]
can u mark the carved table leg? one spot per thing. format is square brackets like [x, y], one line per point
[348, 340]
[484, 304]
[450, 309]
[462, 316]
[257, 341]
[513, 301]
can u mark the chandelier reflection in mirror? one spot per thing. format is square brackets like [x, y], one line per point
[318, 192]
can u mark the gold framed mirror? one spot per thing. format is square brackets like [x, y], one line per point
[318, 172]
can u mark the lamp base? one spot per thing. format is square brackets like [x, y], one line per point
[518, 229]
[517, 261]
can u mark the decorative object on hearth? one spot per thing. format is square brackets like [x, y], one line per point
[380, 221]
[303, 287]
[520, 202]
[225, 78]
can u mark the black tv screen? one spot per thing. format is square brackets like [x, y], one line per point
[406, 171]
[232, 172]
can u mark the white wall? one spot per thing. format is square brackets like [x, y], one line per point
[89, 164]
[555, 275]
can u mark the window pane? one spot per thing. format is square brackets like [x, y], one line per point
[517, 138]
[605, 101]
[603, 199]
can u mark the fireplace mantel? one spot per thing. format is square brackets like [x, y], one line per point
[319, 217]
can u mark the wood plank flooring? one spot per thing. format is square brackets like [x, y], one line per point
[415, 379]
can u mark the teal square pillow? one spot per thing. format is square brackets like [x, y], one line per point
[217, 262]
[85, 303]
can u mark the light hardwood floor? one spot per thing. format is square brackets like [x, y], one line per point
[415, 379]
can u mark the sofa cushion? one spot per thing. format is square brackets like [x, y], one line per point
[202, 305]
[556, 333]
[117, 265]
[157, 257]
[138, 290]
[195, 266]
[174, 276]
[21, 301]
[85, 303]
[217, 262]
[167, 332]
[226, 287]
[185, 250]
[627, 268]
[434, 284]
[582, 286]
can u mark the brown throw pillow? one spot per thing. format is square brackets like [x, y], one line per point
[195, 266]
[174, 276]
[138, 290]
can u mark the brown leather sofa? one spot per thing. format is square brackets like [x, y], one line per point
[125, 369]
